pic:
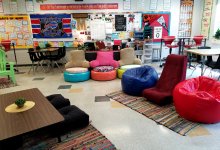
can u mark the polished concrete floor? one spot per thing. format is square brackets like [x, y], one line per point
[125, 128]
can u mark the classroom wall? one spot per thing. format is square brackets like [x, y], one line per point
[136, 6]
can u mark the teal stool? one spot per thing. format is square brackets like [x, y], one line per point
[76, 77]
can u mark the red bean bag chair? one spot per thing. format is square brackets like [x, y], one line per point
[198, 99]
[174, 72]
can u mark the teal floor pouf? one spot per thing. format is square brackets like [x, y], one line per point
[76, 77]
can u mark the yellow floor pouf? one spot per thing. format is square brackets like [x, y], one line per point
[122, 69]
[120, 72]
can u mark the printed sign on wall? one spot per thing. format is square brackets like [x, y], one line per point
[51, 25]
[157, 20]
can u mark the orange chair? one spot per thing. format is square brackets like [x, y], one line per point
[168, 40]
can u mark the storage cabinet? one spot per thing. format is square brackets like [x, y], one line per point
[147, 51]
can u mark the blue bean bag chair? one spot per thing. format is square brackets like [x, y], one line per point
[135, 80]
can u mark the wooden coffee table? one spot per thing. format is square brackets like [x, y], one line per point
[41, 115]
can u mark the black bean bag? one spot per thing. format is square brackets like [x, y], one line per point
[11, 143]
[74, 118]
[58, 101]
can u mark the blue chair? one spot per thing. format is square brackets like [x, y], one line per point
[135, 80]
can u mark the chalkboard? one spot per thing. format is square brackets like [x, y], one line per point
[120, 23]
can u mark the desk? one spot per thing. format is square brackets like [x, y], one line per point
[41, 115]
[203, 53]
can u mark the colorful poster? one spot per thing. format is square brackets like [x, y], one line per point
[51, 25]
[74, 24]
[157, 20]
[17, 29]
[29, 5]
[1, 6]
[206, 18]
[13, 5]
[126, 4]
[78, 6]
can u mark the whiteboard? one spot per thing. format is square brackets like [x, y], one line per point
[98, 31]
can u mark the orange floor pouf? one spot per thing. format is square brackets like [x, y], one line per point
[103, 76]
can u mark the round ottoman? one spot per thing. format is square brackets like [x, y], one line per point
[103, 76]
[122, 69]
[135, 80]
[197, 99]
[76, 74]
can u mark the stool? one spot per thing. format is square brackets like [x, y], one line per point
[76, 77]
[103, 76]
[58, 101]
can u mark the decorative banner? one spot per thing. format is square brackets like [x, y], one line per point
[206, 18]
[51, 25]
[17, 29]
[78, 6]
[157, 20]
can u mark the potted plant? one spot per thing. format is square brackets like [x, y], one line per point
[20, 102]
[217, 34]
[37, 47]
[47, 45]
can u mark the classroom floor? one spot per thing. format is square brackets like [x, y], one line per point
[125, 128]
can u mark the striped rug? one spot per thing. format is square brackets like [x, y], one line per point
[88, 138]
[164, 115]
[5, 83]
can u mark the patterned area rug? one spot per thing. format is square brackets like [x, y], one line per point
[165, 115]
[88, 138]
[5, 83]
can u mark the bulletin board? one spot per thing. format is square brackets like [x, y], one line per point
[17, 29]
[51, 25]
[159, 22]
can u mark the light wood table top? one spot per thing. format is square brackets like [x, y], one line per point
[204, 52]
[41, 115]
